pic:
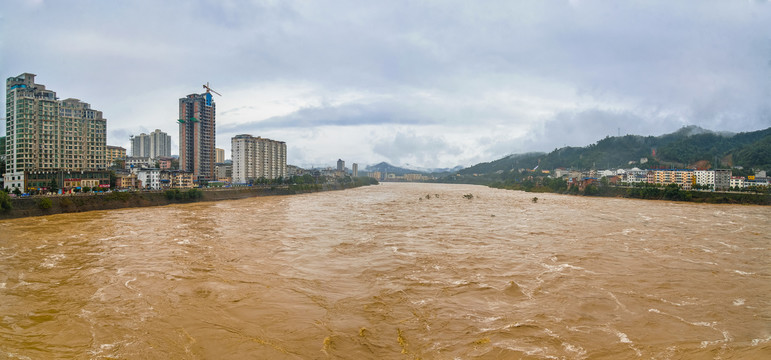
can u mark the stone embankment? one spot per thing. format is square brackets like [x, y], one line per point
[57, 204]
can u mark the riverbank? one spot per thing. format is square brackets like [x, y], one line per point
[58, 204]
[652, 193]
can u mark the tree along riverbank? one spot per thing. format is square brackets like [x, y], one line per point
[57, 204]
[670, 192]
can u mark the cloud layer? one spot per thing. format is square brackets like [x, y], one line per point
[429, 83]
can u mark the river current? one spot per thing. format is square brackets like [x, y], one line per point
[393, 271]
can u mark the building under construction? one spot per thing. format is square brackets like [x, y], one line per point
[197, 135]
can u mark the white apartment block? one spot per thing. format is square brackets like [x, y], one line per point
[151, 178]
[704, 178]
[635, 175]
[255, 157]
[738, 181]
[718, 179]
[45, 133]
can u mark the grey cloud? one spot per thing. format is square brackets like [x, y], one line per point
[353, 114]
[402, 148]
[580, 128]
[647, 67]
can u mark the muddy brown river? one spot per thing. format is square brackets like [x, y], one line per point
[394, 271]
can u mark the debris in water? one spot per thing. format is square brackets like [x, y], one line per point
[401, 340]
[327, 343]
[482, 341]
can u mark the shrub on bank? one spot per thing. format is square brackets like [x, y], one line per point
[190, 194]
[45, 204]
[5, 202]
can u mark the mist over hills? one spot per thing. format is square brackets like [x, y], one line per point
[385, 167]
[690, 146]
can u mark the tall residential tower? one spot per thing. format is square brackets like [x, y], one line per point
[48, 134]
[156, 144]
[255, 157]
[196, 135]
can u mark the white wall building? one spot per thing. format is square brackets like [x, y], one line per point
[255, 157]
[635, 175]
[136, 162]
[704, 178]
[151, 178]
[738, 181]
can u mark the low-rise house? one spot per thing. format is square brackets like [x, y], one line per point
[127, 181]
[176, 179]
[67, 181]
[164, 163]
[138, 162]
[738, 182]
[150, 178]
[223, 172]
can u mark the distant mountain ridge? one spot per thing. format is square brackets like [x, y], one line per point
[689, 146]
[385, 167]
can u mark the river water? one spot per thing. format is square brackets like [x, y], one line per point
[394, 271]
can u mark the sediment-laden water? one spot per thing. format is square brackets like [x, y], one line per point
[395, 271]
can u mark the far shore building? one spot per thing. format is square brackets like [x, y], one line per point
[220, 156]
[44, 133]
[176, 179]
[718, 179]
[164, 163]
[154, 145]
[127, 181]
[256, 157]
[67, 181]
[682, 177]
[224, 172]
[197, 133]
[377, 175]
[150, 178]
[133, 162]
[115, 153]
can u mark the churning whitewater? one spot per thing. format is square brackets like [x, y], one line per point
[394, 271]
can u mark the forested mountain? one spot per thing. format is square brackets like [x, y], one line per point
[385, 167]
[683, 148]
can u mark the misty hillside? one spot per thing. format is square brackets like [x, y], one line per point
[683, 148]
[385, 167]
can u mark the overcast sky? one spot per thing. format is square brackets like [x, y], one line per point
[418, 83]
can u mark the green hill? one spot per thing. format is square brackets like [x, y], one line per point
[683, 148]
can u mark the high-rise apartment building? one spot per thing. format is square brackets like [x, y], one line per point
[255, 157]
[340, 165]
[48, 134]
[196, 135]
[220, 156]
[154, 145]
[355, 170]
